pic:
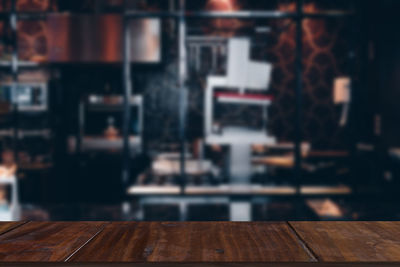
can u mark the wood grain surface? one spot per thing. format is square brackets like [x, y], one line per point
[46, 241]
[194, 242]
[7, 226]
[351, 241]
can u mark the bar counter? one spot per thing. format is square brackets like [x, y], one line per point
[200, 244]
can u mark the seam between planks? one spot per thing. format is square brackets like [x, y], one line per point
[87, 242]
[303, 244]
[14, 227]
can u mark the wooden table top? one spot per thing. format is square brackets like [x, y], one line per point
[200, 243]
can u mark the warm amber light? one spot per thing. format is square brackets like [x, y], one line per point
[221, 5]
[228, 25]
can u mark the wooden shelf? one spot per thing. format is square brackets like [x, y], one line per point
[35, 166]
[237, 190]
[100, 143]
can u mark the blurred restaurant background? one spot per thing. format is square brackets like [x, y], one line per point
[199, 110]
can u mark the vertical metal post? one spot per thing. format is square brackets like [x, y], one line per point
[127, 86]
[13, 24]
[182, 72]
[14, 71]
[171, 8]
[299, 92]
[81, 131]
[352, 128]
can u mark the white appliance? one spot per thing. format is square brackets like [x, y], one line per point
[12, 212]
[244, 77]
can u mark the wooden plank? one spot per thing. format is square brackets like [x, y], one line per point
[197, 264]
[286, 162]
[325, 190]
[46, 241]
[194, 242]
[154, 190]
[240, 190]
[328, 153]
[351, 241]
[7, 226]
[230, 190]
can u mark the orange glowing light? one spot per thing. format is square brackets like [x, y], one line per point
[228, 25]
[221, 5]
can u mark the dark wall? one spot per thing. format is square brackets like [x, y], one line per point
[387, 43]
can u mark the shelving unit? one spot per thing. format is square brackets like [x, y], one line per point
[74, 143]
[26, 98]
[95, 103]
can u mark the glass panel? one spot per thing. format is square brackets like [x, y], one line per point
[62, 125]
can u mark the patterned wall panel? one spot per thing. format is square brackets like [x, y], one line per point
[32, 34]
[326, 48]
[30, 5]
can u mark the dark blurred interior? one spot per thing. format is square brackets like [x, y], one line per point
[199, 110]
